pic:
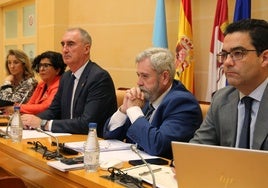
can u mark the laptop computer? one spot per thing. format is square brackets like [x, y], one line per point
[199, 166]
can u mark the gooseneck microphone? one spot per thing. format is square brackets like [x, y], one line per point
[133, 147]
[8, 125]
[5, 134]
[58, 155]
[23, 99]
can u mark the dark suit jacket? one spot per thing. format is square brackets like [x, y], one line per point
[220, 124]
[94, 101]
[176, 119]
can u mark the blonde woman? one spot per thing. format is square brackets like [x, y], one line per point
[20, 83]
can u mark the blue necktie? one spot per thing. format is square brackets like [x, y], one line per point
[245, 132]
[70, 93]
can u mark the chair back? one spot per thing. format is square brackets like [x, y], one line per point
[11, 182]
[120, 96]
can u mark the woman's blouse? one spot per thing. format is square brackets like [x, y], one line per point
[16, 94]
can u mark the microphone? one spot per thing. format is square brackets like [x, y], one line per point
[133, 147]
[58, 155]
[23, 99]
[6, 135]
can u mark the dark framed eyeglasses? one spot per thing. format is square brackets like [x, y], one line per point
[236, 54]
[44, 65]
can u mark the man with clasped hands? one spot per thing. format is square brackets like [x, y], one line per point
[176, 113]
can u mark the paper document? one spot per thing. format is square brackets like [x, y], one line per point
[105, 145]
[123, 155]
[110, 149]
[64, 167]
[35, 134]
[164, 176]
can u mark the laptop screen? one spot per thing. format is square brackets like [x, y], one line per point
[214, 166]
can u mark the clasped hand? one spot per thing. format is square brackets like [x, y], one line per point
[133, 97]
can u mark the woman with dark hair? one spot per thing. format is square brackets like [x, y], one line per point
[50, 66]
[20, 83]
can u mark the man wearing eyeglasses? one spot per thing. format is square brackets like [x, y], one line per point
[238, 113]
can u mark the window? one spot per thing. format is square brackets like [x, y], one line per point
[20, 27]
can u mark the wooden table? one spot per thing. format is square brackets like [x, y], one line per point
[19, 160]
[4, 120]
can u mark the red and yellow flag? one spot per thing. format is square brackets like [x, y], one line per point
[216, 77]
[184, 49]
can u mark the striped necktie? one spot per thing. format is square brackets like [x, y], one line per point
[149, 112]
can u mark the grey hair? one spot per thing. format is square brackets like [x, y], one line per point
[161, 60]
[86, 38]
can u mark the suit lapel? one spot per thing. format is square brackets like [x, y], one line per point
[81, 83]
[230, 121]
[261, 128]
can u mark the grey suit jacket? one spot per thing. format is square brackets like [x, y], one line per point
[220, 125]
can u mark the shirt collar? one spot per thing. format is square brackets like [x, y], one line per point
[158, 101]
[258, 92]
[79, 72]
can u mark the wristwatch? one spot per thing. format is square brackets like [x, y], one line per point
[43, 124]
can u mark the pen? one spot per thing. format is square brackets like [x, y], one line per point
[133, 167]
[148, 172]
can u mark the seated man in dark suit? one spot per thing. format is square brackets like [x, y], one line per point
[86, 92]
[175, 113]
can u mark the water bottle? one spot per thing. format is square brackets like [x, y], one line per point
[16, 125]
[91, 149]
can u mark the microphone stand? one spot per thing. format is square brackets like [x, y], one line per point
[58, 155]
[6, 135]
[134, 148]
[24, 98]
[8, 125]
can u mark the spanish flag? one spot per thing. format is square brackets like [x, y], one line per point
[184, 49]
[216, 77]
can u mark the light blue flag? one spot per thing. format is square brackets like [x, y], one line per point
[242, 9]
[160, 27]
